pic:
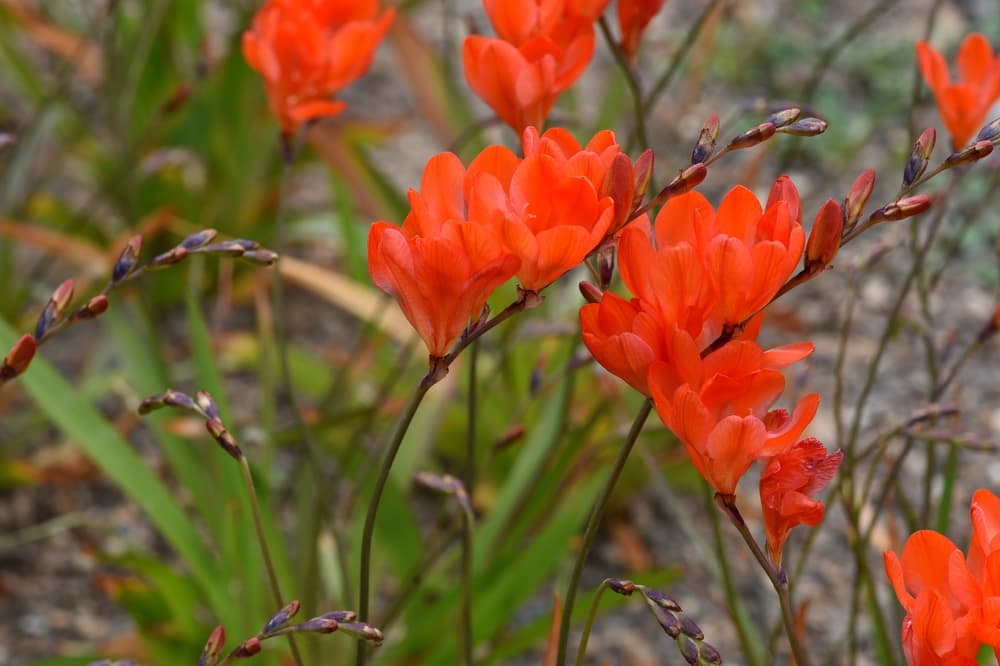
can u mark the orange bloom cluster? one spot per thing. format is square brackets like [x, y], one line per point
[541, 49]
[470, 230]
[963, 104]
[952, 602]
[709, 272]
[307, 50]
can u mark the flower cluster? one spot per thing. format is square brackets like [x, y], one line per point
[471, 229]
[541, 49]
[964, 103]
[706, 278]
[307, 50]
[952, 602]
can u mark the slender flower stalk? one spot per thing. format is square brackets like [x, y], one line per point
[594, 522]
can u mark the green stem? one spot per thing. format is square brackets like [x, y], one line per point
[467, 636]
[467, 529]
[383, 477]
[272, 576]
[591, 616]
[596, 514]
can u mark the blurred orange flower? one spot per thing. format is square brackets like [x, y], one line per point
[542, 49]
[787, 485]
[963, 104]
[439, 266]
[633, 17]
[725, 423]
[307, 50]
[952, 603]
[545, 207]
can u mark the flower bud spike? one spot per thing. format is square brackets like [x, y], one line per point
[18, 358]
[705, 146]
[127, 259]
[920, 156]
[804, 127]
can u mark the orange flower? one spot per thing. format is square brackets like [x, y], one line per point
[952, 603]
[633, 17]
[725, 423]
[545, 208]
[307, 50]
[626, 341]
[440, 267]
[786, 488]
[542, 50]
[964, 104]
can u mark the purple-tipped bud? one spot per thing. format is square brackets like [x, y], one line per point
[170, 257]
[824, 239]
[200, 239]
[340, 616]
[591, 292]
[127, 259]
[688, 649]
[973, 153]
[662, 600]
[857, 197]
[643, 175]
[805, 127]
[221, 435]
[621, 586]
[247, 648]
[95, 307]
[282, 617]
[706, 140]
[690, 628]
[990, 132]
[686, 181]
[213, 647]
[606, 263]
[784, 117]
[363, 631]
[709, 655]
[55, 308]
[261, 257]
[920, 156]
[752, 137]
[318, 625]
[206, 403]
[668, 621]
[902, 209]
[619, 184]
[18, 358]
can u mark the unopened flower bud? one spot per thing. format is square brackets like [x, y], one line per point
[247, 648]
[752, 137]
[96, 306]
[902, 209]
[825, 236]
[973, 153]
[591, 292]
[783, 189]
[709, 654]
[857, 197]
[784, 117]
[643, 175]
[706, 140]
[340, 616]
[54, 309]
[619, 184]
[282, 617]
[18, 358]
[667, 620]
[221, 434]
[206, 403]
[261, 257]
[199, 239]
[127, 259]
[690, 628]
[686, 181]
[363, 631]
[319, 625]
[170, 257]
[621, 586]
[662, 600]
[688, 649]
[990, 132]
[213, 647]
[920, 156]
[804, 127]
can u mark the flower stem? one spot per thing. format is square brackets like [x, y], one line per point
[272, 576]
[468, 516]
[591, 616]
[596, 514]
[727, 504]
[383, 476]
